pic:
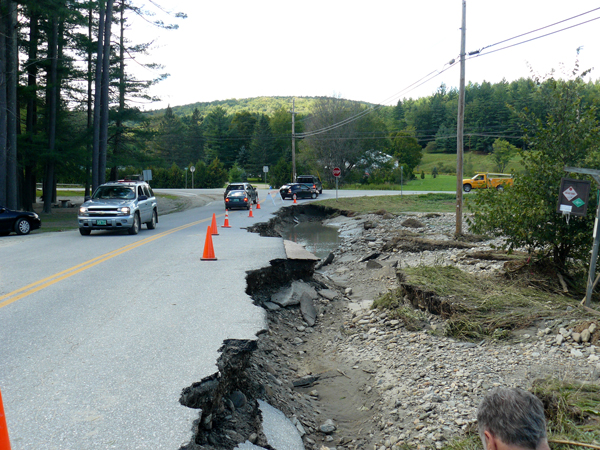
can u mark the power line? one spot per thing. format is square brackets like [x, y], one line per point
[451, 64]
[538, 29]
[476, 55]
[363, 113]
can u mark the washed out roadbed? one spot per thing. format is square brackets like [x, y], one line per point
[410, 371]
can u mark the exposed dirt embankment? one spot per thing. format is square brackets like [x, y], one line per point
[362, 378]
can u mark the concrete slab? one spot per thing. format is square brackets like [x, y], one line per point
[298, 252]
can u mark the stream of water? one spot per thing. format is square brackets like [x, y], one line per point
[317, 238]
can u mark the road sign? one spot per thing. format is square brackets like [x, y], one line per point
[265, 169]
[573, 197]
[192, 169]
[337, 172]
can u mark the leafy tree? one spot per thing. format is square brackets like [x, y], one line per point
[216, 174]
[342, 146]
[405, 147]
[434, 172]
[502, 153]
[567, 135]
[281, 173]
[236, 173]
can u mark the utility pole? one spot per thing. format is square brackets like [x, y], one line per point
[293, 111]
[460, 126]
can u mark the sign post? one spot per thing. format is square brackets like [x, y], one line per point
[336, 173]
[266, 170]
[193, 169]
[568, 197]
[401, 180]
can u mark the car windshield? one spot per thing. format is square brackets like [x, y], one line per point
[236, 194]
[118, 192]
[236, 187]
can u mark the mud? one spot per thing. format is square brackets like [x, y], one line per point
[296, 375]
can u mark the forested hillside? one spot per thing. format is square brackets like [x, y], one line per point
[69, 114]
[258, 105]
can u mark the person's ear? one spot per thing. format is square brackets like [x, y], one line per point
[490, 441]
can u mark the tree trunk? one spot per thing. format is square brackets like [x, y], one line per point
[52, 108]
[29, 191]
[105, 101]
[97, 100]
[90, 111]
[114, 174]
[12, 67]
[3, 118]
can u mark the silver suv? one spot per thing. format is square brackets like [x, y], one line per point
[119, 205]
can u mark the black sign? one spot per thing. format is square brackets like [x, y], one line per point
[573, 197]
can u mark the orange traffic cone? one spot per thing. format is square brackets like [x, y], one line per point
[250, 213]
[4, 441]
[295, 199]
[209, 251]
[213, 226]
[226, 224]
[257, 204]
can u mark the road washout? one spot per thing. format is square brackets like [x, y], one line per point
[356, 376]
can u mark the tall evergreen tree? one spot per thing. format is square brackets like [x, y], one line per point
[261, 147]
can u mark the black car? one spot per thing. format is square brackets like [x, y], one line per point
[21, 222]
[250, 191]
[237, 199]
[311, 181]
[301, 191]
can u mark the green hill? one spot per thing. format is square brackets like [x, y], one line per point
[261, 105]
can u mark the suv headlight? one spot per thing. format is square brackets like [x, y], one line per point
[124, 210]
[83, 210]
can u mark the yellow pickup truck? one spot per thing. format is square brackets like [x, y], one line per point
[488, 180]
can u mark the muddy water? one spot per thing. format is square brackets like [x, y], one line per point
[316, 237]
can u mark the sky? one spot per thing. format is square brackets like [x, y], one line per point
[371, 51]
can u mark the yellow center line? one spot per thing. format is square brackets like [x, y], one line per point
[18, 294]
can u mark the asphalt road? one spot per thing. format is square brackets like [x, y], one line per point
[99, 334]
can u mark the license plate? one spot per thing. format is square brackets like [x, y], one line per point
[100, 222]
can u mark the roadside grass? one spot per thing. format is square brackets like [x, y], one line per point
[493, 308]
[394, 204]
[472, 162]
[439, 183]
[483, 307]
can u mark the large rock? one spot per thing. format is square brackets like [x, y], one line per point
[329, 294]
[308, 310]
[585, 335]
[291, 296]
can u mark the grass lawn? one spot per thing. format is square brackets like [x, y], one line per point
[395, 204]
[472, 163]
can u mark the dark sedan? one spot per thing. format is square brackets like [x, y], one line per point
[21, 222]
[250, 190]
[237, 199]
[300, 190]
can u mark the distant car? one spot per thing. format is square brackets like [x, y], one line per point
[119, 205]
[250, 190]
[311, 181]
[237, 200]
[21, 222]
[301, 191]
